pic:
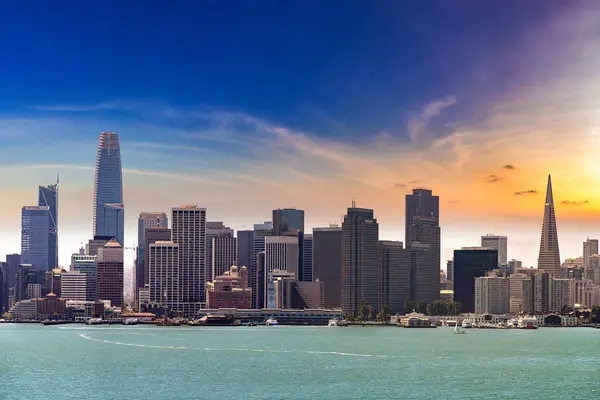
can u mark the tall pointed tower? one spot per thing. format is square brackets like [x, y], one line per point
[549, 259]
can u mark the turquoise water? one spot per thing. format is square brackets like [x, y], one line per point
[147, 362]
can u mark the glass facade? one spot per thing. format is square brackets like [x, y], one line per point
[35, 227]
[111, 221]
[48, 196]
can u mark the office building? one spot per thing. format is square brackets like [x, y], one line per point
[307, 258]
[590, 247]
[394, 275]
[189, 232]
[35, 228]
[109, 273]
[220, 249]
[108, 188]
[151, 235]
[327, 263]
[520, 292]
[4, 304]
[560, 296]
[471, 263]
[542, 290]
[513, 265]
[147, 220]
[499, 243]
[230, 290]
[73, 285]
[287, 220]
[450, 271]
[492, 294]
[424, 273]
[13, 261]
[288, 293]
[549, 257]
[260, 280]
[421, 203]
[25, 276]
[91, 248]
[86, 265]
[164, 276]
[48, 197]
[245, 241]
[52, 282]
[277, 289]
[281, 253]
[258, 246]
[584, 293]
[360, 259]
[593, 269]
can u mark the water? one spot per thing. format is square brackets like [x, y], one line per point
[147, 362]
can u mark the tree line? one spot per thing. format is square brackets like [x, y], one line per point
[366, 311]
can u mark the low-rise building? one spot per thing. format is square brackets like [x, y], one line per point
[230, 290]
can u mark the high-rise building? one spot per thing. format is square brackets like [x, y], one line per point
[499, 243]
[424, 273]
[86, 265]
[12, 261]
[26, 276]
[48, 196]
[189, 232]
[521, 290]
[260, 280]
[151, 235]
[281, 253]
[471, 263]
[513, 266]
[108, 188]
[52, 282]
[109, 273]
[220, 249]
[307, 258]
[73, 285]
[549, 258]
[360, 259]
[590, 247]
[91, 248]
[35, 229]
[164, 280]
[560, 294]
[421, 203]
[258, 246]
[327, 263]
[492, 294]
[394, 275]
[287, 220]
[245, 241]
[147, 220]
[450, 270]
[4, 306]
[593, 269]
[541, 282]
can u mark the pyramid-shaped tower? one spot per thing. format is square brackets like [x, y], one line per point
[549, 258]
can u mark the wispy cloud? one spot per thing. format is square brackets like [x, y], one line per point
[509, 167]
[417, 125]
[574, 202]
[526, 192]
[493, 178]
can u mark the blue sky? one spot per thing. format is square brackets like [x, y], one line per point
[243, 107]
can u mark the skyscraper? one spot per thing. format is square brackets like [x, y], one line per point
[111, 221]
[87, 265]
[245, 241]
[48, 196]
[3, 287]
[189, 232]
[152, 235]
[108, 185]
[109, 273]
[307, 258]
[287, 220]
[220, 249]
[281, 253]
[360, 259]
[424, 273]
[492, 294]
[164, 281]
[549, 259]
[12, 261]
[35, 229]
[394, 275]
[146, 220]
[258, 246]
[499, 243]
[327, 263]
[421, 203]
[590, 247]
[471, 263]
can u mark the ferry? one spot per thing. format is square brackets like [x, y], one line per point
[527, 323]
[466, 324]
[131, 321]
[337, 322]
[512, 323]
[272, 322]
[217, 320]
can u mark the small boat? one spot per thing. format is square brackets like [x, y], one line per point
[459, 331]
[217, 320]
[131, 321]
[94, 321]
[528, 323]
[333, 322]
[451, 323]
[272, 322]
[466, 324]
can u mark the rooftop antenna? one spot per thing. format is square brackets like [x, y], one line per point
[353, 202]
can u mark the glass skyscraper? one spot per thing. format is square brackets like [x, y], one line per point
[35, 226]
[108, 188]
[48, 196]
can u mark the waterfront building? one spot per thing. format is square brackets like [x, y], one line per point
[147, 220]
[50, 306]
[285, 291]
[220, 249]
[281, 252]
[35, 230]
[143, 298]
[230, 290]
[360, 259]
[499, 243]
[275, 286]
[394, 275]
[245, 241]
[48, 197]
[109, 273]
[549, 257]
[513, 266]
[73, 285]
[424, 273]
[24, 309]
[492, 294]
[164, 275]
[258, 246]
[108, 188]
[12, 261]
[590, 247]
[307, 258]
[284, 317]
[471, 263]
[86, 265]
[327, 263]
[189, 232]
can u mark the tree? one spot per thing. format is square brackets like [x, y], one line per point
[595, 314]
[362, 310]
[432, 308]
[422, 307]
[370, 310]
[384, 314]
[409, 306]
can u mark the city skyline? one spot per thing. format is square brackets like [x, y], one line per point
[314, 138]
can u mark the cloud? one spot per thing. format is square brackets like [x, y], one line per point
[417, 125]
[509, 167]
[574, 203]
[525, 192]
[493, 178]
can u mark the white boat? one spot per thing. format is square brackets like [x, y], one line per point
[466, 324]
[458, 331]
[131, 321]
[333, 322]
[512, 323]
[272, 322]
[528, 323]
[94, 321]
[451, 323]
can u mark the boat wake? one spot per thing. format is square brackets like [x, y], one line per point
[337, 353]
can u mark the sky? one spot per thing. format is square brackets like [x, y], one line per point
[243, 107]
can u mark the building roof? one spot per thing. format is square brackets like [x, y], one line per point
[112, 243]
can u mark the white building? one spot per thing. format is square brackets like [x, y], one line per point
[26, 309]
[585, 293]
[73, 285]
[34, 291]
[87, 265]
[499, 243]
[560, 294]
[281, 252]
[592, 271]
[492, 295]
[163, 263]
